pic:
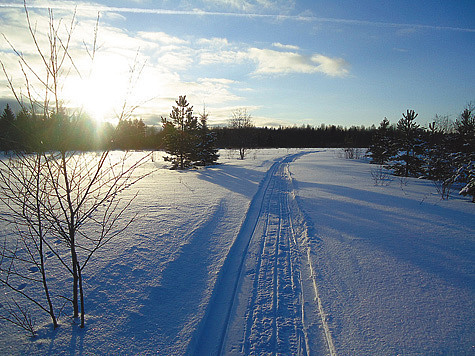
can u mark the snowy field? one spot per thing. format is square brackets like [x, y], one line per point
[292, 252]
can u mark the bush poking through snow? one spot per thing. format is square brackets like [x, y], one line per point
[381, 176]
[443, 187]
[18, 315]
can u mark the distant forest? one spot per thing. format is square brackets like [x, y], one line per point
[443, 152]
[23, 131]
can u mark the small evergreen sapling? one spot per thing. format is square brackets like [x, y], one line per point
[207, 152]
[188, 142]
[407, 161]
[382, 146]
[469, 188]
[180, 134]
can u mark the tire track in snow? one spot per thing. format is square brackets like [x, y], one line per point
[276, 322]
[311, 283]
[257, 306]
[211, 333]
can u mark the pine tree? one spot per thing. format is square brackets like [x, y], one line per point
[207, 152]
[130, 134]
[465, 137]
[437, 159]
[463, 146]
[180, 135]
[7, 129]
[407, 161]
[382, 146]
[469, 188]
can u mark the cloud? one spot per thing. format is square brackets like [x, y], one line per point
[278, 10]
[249, 6]
[269, 61]
[276, 62]
[335, 67]
[222, 57]
[173, 65]
[286, 47]
[161, 37]
[214, 42]
[106, 81]
[176, 60]
[222, 81]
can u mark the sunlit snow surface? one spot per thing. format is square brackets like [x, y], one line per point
[394, 264]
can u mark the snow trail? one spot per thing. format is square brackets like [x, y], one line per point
[299, 227]
[261, 302]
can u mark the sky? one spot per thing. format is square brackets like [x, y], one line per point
[288, 62]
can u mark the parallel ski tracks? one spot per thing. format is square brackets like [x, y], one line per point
[259, 305]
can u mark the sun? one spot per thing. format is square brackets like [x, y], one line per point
[100, 93]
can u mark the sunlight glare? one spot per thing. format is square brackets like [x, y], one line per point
[102, 92]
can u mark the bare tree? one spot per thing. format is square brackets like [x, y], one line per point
[243, 138]
[23, 256]
[59, 195]
[84, 208]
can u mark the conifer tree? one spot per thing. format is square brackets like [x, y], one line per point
[463, 148]
[180, 134]
[129, 134]
[465, 137]
[7, 129]
[407, 161]
[382, 146]
[469, 188]
[437, 163]
[207, 152]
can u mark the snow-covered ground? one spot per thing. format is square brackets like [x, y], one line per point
[288, 251]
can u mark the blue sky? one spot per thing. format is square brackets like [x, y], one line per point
[288, 62]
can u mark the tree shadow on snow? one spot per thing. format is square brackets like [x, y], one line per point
[171, 308]
[233, 178]
[400, 226]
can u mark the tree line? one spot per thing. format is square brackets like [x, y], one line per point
[30, 132]
[444, 152]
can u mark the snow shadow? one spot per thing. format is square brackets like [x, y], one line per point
[233, 178]
[171, 308]
[399, 226]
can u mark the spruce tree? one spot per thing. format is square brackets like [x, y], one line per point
[407, 161]
[7, 129]
[206, 150]
[382, 146]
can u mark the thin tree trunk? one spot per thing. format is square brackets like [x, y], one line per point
[74, 261]
[41, 243]
[45, 286]
[81, 293]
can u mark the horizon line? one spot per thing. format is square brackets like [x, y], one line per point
[198, 12]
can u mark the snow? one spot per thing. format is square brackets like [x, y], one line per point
[301, 241]
[395, 264]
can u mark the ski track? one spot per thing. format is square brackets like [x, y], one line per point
[266, 298]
